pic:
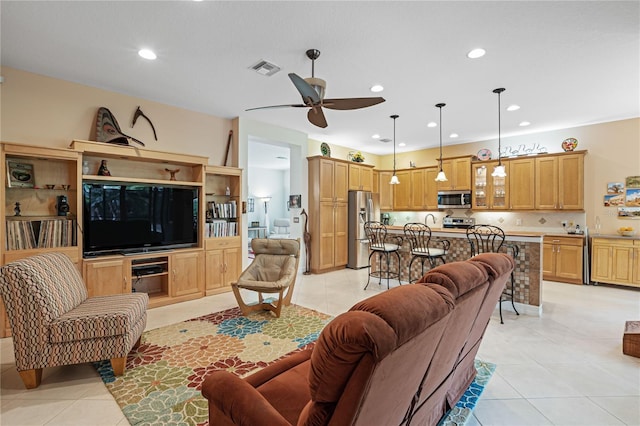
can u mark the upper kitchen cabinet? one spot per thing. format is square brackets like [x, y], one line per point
[559, 182]
[385, 190]
[458, 171]
[360, 177]
[489, 192]
[522, 184]
[402, 191]
[424, 189]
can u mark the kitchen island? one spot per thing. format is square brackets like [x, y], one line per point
[527, 272]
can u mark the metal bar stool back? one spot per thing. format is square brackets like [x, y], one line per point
[379, 244]
[419, 237]
[491, 239]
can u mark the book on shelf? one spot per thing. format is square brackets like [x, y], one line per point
[42, 233]
[221, 228]
[223, 210]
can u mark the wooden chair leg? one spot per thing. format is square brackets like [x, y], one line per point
[31, 378]
[118, 365]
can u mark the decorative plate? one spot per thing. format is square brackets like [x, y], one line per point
[325, 150]
[569, 144]
[484, 154]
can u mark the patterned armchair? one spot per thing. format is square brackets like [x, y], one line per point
[54, 323]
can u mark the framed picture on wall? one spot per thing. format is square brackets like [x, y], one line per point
[615, 188]
[632, 198]
[295, 201]
[614, 200]
[629, 212]
[633, 181]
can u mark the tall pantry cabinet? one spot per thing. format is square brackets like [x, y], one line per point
[328, 207]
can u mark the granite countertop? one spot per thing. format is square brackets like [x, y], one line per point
[463, 232]
[616, 237]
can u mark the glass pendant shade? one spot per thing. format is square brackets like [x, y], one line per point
[499, 171]
[394, 179]
[441, 176]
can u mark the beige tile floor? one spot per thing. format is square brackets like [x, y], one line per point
[563, 368]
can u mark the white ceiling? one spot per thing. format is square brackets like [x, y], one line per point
[565, 63]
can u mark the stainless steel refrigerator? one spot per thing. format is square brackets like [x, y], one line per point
[363, 206]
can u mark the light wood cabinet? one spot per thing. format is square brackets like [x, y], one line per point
[563, 259]
[489, 192]
[458, 171]
[522, 184]
[424, 189]
[223, 263]
[360, 177]
[187, 270]
[385, 190]
[376, 181]
[328, 207]
[108, 276]
[559, 182]
[615, 261]
[402, 191]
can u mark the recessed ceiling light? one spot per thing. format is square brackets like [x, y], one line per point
[402, 144]
[476, 53]
[377, 88]
[376, 136]
[147, 54]
[453, 135]
[524, 124]
[513, 107]
[432, 124]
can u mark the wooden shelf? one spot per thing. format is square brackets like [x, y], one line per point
[126, 180]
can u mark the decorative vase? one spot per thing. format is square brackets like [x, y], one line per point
[103, 170]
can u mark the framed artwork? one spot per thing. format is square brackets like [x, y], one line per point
[615, 188]
[20, 175]
[295, 201]
[614, 200]
[251, 204]
[633, 181]
[632, 198]
[629, 212]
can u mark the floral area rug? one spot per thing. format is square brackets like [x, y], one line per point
[164, 375]
[461, 413]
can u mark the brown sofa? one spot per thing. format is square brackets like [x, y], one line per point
[404, 356]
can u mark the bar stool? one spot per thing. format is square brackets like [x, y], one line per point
[490, 239]
[419, 237]
[376, 233]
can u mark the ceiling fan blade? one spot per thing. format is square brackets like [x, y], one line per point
[316, 117]
[279, 106]
[306, 91]
[351, 103]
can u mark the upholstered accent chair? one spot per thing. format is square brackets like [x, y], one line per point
[53, 322]
[281, 228]
[273, 270]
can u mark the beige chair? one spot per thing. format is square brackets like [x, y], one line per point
[273, 270]
[281, 229]
[54, 323]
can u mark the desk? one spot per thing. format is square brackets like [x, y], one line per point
[257, 230]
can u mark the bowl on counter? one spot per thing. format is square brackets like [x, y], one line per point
[626, 233]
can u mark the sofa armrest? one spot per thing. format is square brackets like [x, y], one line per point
[262, 376]
[237, 402]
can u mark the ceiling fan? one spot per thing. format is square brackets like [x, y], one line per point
[312, 92]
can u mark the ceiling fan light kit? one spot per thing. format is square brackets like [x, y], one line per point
[312, 91]
[441, 176]
[499, 170]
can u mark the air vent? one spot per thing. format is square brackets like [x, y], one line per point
[385, 140]
[265, 68]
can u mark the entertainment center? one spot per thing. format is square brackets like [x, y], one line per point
[135, 229]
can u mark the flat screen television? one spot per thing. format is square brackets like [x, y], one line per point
[131, 218]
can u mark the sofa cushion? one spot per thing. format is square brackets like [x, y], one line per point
[457, 277]
[98, 317]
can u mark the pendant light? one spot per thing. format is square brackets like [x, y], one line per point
[441, 176]
[499, 170]
[394, 179]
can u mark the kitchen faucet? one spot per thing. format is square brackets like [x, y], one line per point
[432, 217]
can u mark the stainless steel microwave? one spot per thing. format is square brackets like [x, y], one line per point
[454, 199]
